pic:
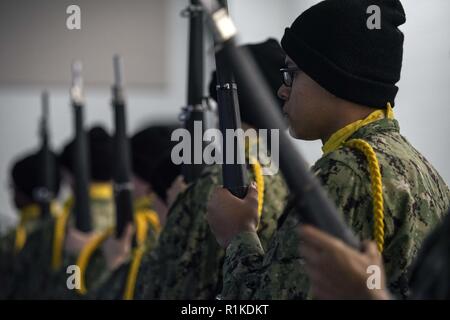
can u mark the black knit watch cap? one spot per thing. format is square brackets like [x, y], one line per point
[332, 43]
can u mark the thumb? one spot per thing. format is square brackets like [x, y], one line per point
[129, 232]
[252, 193]
[371, 249]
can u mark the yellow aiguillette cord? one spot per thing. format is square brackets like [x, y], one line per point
[339, 139]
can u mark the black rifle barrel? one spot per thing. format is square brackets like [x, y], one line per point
[196, 54]
[122, 163]
[313, 204]
[234, 173]
[81, 154]
[194, 112]
[45, 192]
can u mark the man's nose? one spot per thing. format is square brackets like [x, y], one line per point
[283, 92]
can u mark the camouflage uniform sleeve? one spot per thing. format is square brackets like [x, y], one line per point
[243, 260]
[244, 256]
[6, 264]
[283, 275]
[111, 286]
[186, 260]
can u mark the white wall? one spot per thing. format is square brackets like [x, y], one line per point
[20, 106]
[423, 102]
[422, 105]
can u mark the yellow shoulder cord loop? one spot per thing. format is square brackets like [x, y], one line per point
[257, 171]
[27, 214]
[143, 219]
[377, 188]
[21, 238]
[250, 150]
[101, 191]
[86, 254]
[143, 202]
[59, 234]
[130, 285]
[338, 138]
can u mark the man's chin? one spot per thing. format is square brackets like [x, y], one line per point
[299, 135]
[294, 134]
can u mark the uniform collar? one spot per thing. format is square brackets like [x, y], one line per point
[338, 138]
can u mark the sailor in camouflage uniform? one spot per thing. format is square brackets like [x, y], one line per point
[101, 190]
[85, 249]
[154, 175]
[57, 245]
[187, 262]
[25, 181]
[339, 86]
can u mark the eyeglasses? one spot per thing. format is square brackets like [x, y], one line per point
[288, 75]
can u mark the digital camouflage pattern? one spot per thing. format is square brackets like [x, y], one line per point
[415, 200]
[430, 276]
[103, 218]
[187, 262]
[32, 275]
[9, 256]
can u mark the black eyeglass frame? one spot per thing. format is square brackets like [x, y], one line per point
[288, 74]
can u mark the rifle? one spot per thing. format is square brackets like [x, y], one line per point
[194, 111]
[44, 194]
[234, 174]
[311, 200]
[80, 154]
[122, 163]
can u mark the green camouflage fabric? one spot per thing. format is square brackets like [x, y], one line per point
[430, 276]
[32, 264]
[9, 258]
[112, 286]
[33, 276]
[103, 218]
[187, 262]
[415, 200]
